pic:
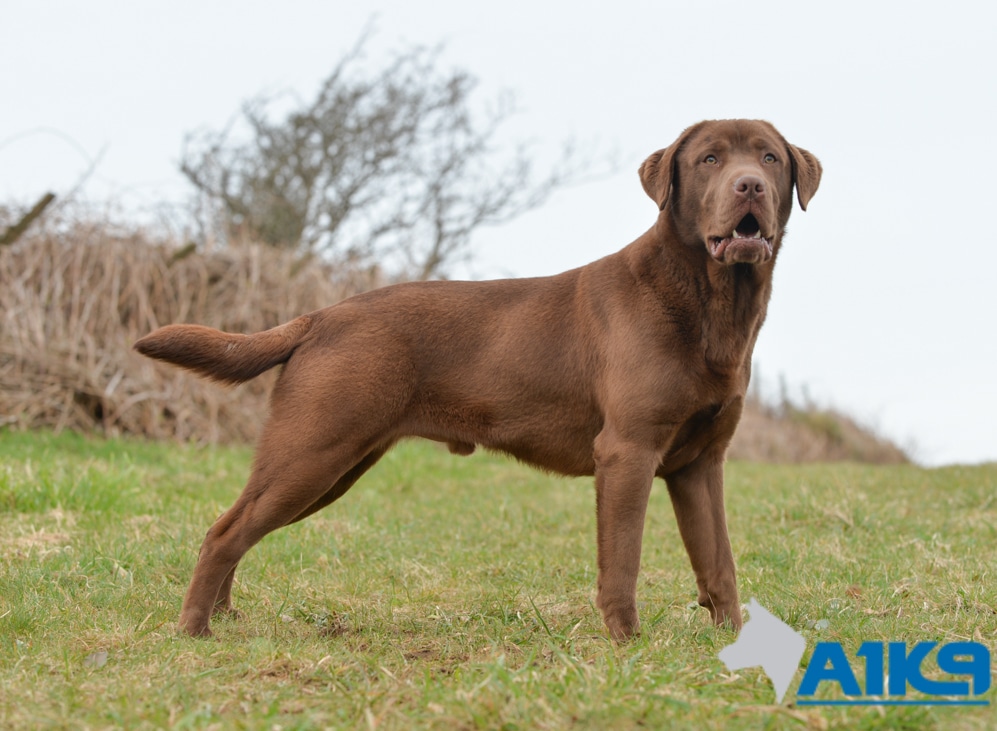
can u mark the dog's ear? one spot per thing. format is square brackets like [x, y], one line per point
[806, 174]
[657, 173]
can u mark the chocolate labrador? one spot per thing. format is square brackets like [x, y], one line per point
[631, 367]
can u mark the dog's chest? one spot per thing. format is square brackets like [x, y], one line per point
[710, 425]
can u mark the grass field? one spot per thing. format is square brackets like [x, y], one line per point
[457, 593]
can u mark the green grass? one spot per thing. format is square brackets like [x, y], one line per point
[457, 593]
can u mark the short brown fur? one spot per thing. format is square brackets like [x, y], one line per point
[631, 367]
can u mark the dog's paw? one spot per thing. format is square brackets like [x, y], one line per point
[200, 633]
[226, 612]
[623, 626]
[194, 626]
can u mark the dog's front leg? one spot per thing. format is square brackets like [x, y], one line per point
[697, 493]
[623, 477]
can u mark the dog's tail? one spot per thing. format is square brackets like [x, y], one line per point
[222, 356]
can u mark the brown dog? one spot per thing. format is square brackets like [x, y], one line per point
[633, 366]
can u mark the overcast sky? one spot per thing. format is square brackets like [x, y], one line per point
[884, 301]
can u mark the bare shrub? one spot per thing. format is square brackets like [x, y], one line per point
[396, 165]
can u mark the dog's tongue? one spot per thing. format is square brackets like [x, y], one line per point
[741, 250]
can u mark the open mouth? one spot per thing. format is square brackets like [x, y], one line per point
[745, 245]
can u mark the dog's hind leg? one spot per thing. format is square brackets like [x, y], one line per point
[297, 471]
[223, 603]
[344, 483]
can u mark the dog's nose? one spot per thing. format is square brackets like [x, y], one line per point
[749, 186]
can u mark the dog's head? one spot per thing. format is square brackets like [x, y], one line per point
[728, 185]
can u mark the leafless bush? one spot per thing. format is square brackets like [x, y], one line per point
[396, 165]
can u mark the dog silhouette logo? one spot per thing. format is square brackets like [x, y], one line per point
[767, 641]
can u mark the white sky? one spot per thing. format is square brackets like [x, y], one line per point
[884, 301]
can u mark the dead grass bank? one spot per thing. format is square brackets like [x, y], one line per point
[74, 297]
[73, 302]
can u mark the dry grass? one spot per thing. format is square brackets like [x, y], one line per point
[75, 295]
[72, 303]
[787, 432]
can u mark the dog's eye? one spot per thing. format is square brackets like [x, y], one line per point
[711, 160]
[769, 157]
